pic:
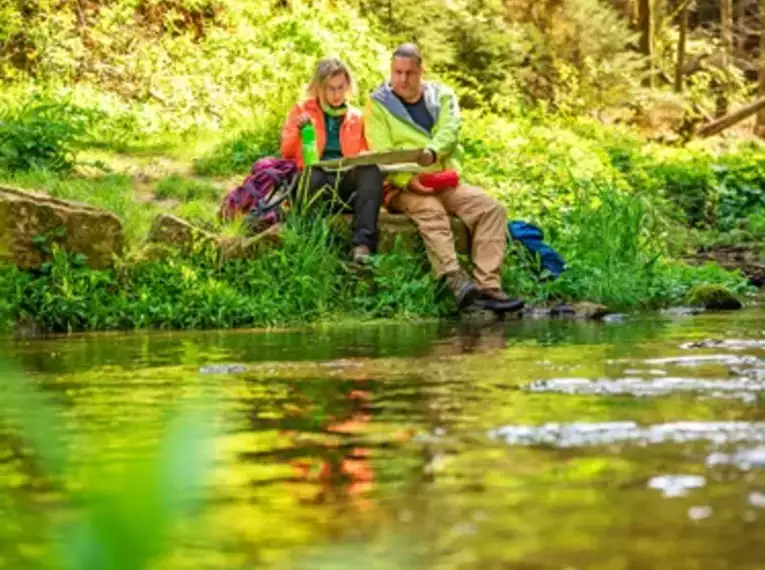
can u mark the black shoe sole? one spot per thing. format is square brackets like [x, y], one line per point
[511, 306]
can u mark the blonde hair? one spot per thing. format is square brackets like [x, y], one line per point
[326, 68]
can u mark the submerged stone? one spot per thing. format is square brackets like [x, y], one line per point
[699, 513]
[596, 434]
[649, 387]
[730, 344]
[583, 310]
[757, 499]
[615, 318]
[744, 459]
[676, 485]
[682, 311]
[223, 369]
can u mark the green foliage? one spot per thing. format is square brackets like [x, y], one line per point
[533, 166]
[41, 134]
[569, 55]
[178, 188]
[236, 155]
[13, 284]
[741, 180]
[201, 213]
[401, 285]
[707, 189]
[170, 68]
[125, 511]
[615, 249]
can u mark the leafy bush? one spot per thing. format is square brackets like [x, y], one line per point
[42, 135]
[741, 187]
[402, 286]
[182, 68]
[615, 248]
[305, 280]
[201, 213]
[533, 167]
[706, 189]
[236, 155]
[612, 241]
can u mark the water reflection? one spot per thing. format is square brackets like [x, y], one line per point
[370, 446]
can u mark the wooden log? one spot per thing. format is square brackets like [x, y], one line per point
[714, 127]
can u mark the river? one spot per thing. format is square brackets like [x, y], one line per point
[529, 445]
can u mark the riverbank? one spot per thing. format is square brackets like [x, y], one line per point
[304, 278]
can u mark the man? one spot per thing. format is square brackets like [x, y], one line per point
[408, 113]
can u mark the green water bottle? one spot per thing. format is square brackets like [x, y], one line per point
[308, 138]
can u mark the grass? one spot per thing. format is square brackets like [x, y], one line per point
[176, 187]
[615, 245]
[113, 192]
[235, 154]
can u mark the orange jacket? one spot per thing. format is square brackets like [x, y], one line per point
[352, 140]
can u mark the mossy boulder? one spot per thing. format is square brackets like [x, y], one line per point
[31, 222]
[172, 231]
[713, 298]
[250, 247]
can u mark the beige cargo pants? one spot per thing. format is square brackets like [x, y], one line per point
[484, 217]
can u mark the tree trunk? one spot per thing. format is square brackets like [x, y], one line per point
[727, 121]
[645, 11]
[726, 29]
[679, 76]
[726, 40]
[760, 129]
[741, 28]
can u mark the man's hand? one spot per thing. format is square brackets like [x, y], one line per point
[417, 187]
[427, 157]
[303, 120]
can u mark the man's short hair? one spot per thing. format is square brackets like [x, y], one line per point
[409, 51]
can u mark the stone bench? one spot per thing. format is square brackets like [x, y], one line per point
[392, 227]
[169, 230]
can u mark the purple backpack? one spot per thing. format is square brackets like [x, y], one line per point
[269, 176]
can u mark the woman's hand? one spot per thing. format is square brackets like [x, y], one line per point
[303, 120]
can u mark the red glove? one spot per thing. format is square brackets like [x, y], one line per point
[439, 181]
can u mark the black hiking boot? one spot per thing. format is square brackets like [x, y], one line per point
[463, 288]
[496, 300]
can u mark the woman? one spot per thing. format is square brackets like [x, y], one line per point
[339, 133]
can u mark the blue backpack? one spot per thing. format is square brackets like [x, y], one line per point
[531, 237]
